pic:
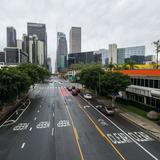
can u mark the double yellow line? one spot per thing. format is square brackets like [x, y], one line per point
[101, 133]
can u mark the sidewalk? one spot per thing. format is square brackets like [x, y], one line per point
[149, 126]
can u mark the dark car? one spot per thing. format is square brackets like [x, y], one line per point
[69, 88]
[78, 90]
[74, 92]
[73, 87]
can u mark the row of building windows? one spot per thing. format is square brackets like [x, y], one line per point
[146, 82]
[149, 101]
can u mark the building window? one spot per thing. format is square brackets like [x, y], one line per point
[142, 82]
[138, 82]
[151, 83]
[146, 82]
[155, 83]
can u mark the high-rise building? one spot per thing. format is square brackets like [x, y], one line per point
[39, 30]
[113, 53]
[90, 57]
[121, 55]
[11, 37]
[19, 44]
[61, 59]
[49, 64]
[75, 40]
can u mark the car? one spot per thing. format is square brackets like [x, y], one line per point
[73, 87]
[69, 88]
[87, 96]
[109, 110]
[74, 92]
[105, 109]
[78, 90]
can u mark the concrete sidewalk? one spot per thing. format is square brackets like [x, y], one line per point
[146, 124]
[151, 127]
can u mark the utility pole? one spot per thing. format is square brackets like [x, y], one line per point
[157, 46]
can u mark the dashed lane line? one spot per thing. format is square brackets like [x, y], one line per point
[52, 131]
[23, 144]
[30, 129]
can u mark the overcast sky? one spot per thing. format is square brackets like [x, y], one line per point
[125, 22]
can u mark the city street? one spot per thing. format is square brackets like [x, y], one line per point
[59, 126]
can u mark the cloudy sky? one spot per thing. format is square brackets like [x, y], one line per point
[125, 22]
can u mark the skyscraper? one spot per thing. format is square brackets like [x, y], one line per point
[11, 37]
[61, 59]
[75, 40]
[39, 30]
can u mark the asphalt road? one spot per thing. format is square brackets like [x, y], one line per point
[58, 126]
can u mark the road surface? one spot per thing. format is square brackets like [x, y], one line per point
[58, 126]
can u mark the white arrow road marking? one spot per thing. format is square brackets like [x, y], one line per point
[23, 144]
[52, 131]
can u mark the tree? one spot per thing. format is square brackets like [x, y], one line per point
[90, 77]
[13, 83]
[110, 66]
[131, 64]
[114, 82]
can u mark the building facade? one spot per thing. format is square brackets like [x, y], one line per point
[113, 53]
[75, 40]
[62, 51]
[14, 56]
[145, 87]
[39, 30]
[11, 37]
[49, 64]
[122, 55]
[84, 58]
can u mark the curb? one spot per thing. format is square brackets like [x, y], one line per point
[146, 130]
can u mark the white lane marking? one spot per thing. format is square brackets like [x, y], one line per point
[63, 123]
[30, 129]
[53, 114]
[23, 144]
[38, 111]
[21, 126]
[40, 106]
[18, 116]
[35, 118]
[52, 131]
[43, 124]
[122, 130]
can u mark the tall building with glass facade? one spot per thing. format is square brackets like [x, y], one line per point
[121, 55]
[75, 40]
[39, 30]
[11, 37]
[62, 51]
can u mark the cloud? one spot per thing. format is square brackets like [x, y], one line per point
[125, 22]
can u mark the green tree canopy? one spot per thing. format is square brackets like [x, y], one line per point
[113, 82]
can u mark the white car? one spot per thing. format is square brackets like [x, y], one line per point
[87, 96]
[109, 110]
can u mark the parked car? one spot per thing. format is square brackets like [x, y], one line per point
[78, 90]
[74, 92]
[105, 109]
[87, 96]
